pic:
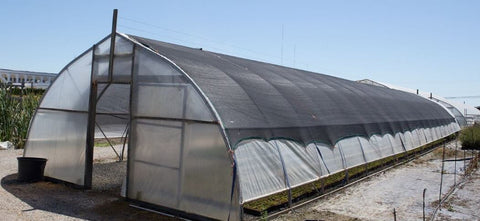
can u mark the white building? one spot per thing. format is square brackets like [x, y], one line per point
[31, 79]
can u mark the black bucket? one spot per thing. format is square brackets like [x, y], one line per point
[30, 169]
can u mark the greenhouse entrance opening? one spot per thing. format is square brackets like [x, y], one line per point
[111, 137]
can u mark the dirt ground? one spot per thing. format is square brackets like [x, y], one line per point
[372, 199]
[54, 201]
[464, 203]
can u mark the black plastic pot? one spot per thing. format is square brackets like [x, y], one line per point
[30, 169]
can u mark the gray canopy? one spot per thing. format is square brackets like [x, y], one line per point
[261, 100]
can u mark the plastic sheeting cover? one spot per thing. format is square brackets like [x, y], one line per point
[260, 163]
[60, 137]
[71, 89]
[177, 157]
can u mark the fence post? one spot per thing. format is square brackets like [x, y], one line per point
[455, 173]
[424, 190]
[441, 178]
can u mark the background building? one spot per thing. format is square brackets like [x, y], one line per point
[31, 79]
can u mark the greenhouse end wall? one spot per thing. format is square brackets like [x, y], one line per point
[177, 158]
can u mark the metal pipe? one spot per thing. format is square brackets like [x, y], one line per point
[455, 173]
[130, 121]
[112, 44]
[424, 191]
[441, 177]
[108, 140]
[92, 106]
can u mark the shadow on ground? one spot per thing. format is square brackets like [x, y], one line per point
[84, 204]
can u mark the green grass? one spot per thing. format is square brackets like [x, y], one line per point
[470, 137]
[17, 108]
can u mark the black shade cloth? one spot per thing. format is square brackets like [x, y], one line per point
[261, 100]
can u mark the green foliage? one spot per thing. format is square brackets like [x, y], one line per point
[470, 137]
[19, 91]
[264, 215]
[16, 112]
[279, 199]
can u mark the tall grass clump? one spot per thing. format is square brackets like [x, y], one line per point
[16, 110]
[470, 137]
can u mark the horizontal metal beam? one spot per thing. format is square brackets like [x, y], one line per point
[175, 119]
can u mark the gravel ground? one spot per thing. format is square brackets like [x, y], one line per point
[55, 201]
[400, 188]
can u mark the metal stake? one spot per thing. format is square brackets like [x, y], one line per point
[455, 173]
[424, 191]
[394, 215]
[441, 178]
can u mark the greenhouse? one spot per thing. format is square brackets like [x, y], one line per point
[466, 115]
[208, 132]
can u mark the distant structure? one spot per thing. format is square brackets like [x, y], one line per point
[465, 115]
[29, 78]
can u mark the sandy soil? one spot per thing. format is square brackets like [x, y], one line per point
[54, 201]
[401, 189]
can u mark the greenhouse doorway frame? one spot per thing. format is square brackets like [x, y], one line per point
[102, 84]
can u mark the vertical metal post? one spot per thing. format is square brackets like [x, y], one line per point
[455, 173]
[424, 191]
[287, 182]
[112, 44]
[131, 128]
[344, 163]
[92, 107]
[321, 161]
[441, 177]
[90, 135]
[394, 214]
[182, 146]
[364, 156]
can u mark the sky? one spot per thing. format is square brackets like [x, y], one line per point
[430, 45]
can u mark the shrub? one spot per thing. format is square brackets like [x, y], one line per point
[470, 137]
[16, 111]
